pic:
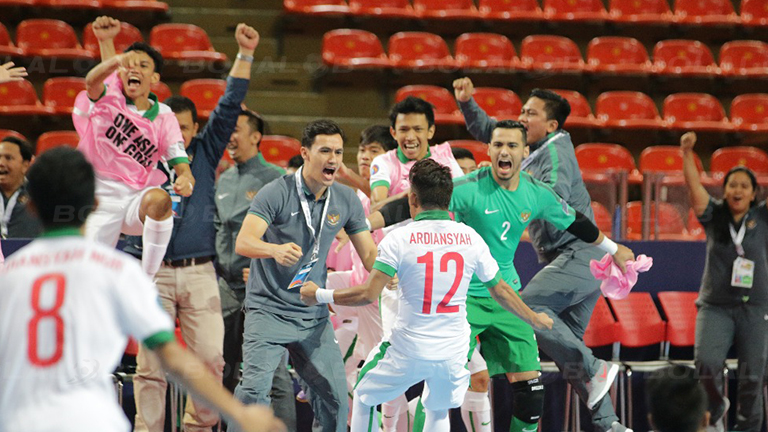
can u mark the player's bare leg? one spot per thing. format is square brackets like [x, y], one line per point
[528, 394]
[155, 213]
[476, 409]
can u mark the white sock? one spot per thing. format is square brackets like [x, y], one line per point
[391, 413]
[476, 411]
[436, 421]
[363, 417]
[156, 236]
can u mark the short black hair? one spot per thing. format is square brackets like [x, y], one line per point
[412, 105]
[462, 153]
[378, 134]
[24, 147]
[320, 127]
[179, 104]
[255, 121]
[676, 399]
[296, 162]
[62, 187]
[432, 184]
[556, 106]
[144, 47]
[511, 124]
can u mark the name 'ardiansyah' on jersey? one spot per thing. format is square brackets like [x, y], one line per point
[433, 238]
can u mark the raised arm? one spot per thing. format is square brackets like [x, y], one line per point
[699, 195]
[247, 40]
[249, 243]
[479, 124]
[106, 30]
[511, 301]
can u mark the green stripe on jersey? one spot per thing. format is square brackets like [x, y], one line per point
[385, 268]
[379, 183]
[374, 361]
[159, 338]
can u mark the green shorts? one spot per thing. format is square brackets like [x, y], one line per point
[508, 343]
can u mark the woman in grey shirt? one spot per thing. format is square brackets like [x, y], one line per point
[733, 300]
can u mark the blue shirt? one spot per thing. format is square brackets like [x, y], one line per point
[193, 230]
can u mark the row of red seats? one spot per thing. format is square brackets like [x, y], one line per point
[361, 49]
[276, 149]
[686, 12]
[55, 38]
[128, 5]
[614, 109]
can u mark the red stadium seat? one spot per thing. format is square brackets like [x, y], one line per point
[205, 93]
[617, 55]
[445, 9]
[11, 133]
[511, 10]
[680, 310]
[551, 53]
[128, 35]
[20, 98]
[575, 10]
[354, 49]
[278, 149]
[602, 328]
[316, 7]
[706, 12]
[671, 224]
[751, 157]
[446, 110]
[184, 42]
[695, 229]
[600, 157]
[697, 111]
[632, 110]
[754, 13]
[161, 90]
[638, 320]
[136, 5]
[667, 159]
[502, 104]
[59, 94]
[684, 57]
[382, 8]
[50, 38]
[419, 50]
[7, 48]
[51, 140]
[641, 11]
[69, 4]
[603, 218]
[17, 3]
[581, 112]
[749, 112]
[744, 59]
[486, 51]
[479, 150]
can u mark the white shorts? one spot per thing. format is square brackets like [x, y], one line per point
[389, 305]
[476, 362]
[388, 373]
[369, 331]
[117, 212]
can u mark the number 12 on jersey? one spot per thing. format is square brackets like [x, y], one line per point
[429, 276]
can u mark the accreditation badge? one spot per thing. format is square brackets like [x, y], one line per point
[743, 273]
[301, 276]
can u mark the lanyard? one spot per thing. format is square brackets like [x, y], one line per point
[738, 238]
[308, 215]
[529, 160]
[6, 212]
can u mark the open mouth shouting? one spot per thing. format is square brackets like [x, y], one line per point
[504, 167]
[134, 82]
[329, 172]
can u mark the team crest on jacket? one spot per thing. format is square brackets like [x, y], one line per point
[250, 194]
[333, 219]
[751, 224]
[525, 215]
[374, 169]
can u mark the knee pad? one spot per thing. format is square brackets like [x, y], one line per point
[528, 400]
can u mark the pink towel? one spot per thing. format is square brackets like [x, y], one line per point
[615, 284]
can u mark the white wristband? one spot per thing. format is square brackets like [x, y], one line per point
[243, 57]
[609, 246]
[324, 295]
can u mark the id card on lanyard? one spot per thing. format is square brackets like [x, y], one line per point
[304, 271]
[6, 212]
[743, 269]
[176, 203]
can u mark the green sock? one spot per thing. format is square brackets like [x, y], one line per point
[419, 417]
[518, 425]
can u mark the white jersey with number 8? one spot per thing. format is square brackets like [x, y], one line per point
[66, 308]
[434, 259]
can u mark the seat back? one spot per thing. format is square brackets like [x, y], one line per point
[601, 157]
[603, 218]
[17, 93]
[46, 34]
[372, 4]
[61, 92]
[751, 157]
[540, 49]
[489, 6]
[667, 159]
[128, 35]
[639, 321]
[693, 107]
[179, 37]
[680, 310]
[641, 7]
[50, 140]
[494, 49]
[738, 55]
[417, 45]
[500, 103]
[754, 9]
[602, 328]
[579, 104]
[343, 44]
[750, 109]
[5, 38]
[616, 51]
[478, 149]
[561, 7]
[625, 105]
[444, 5]
[441, 99]
[703, 7]
[205, 93]
[278, 149]
[11, 133]
[161, 90]
[671, 224]
[677, 53]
